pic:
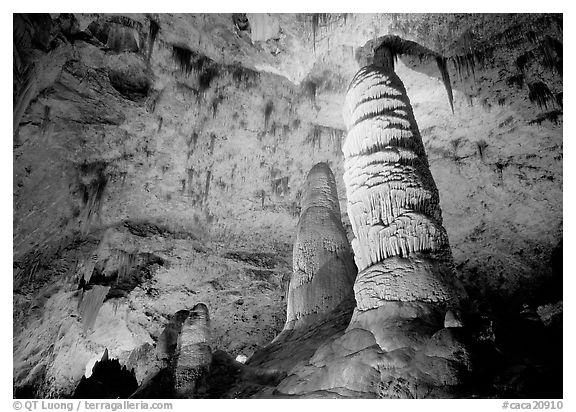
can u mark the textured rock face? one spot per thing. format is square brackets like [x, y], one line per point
[393, 201]
[193, 354]
[407, 275]
[417, 278]
[323, 270]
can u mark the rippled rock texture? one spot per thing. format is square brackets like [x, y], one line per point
[393, 201]
[323, 267]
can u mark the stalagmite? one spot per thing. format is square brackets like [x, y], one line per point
[193, 354]
[399, 342]
[323, 269]
[400, 246]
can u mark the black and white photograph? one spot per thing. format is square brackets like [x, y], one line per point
[214, 205]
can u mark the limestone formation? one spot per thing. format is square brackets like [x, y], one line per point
[323, 269]
[400, 245]
[396, 344]
[193, 354]
[168, 339]
[121, 124]
[109, 379]
[90, 303]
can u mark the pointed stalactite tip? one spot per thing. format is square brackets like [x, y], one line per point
[443, 68]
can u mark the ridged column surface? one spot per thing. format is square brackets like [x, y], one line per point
[323, 267]
[400, 246]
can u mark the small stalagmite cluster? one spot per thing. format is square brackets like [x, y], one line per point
[180, 364]
[323, 267]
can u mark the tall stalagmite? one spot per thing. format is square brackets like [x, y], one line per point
[323, 267]
[396, 344]
[400, 245]
[193, 354]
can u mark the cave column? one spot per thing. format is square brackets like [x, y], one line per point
[400, 245]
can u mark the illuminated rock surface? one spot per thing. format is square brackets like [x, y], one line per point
[323, 269]
[396, 345]
[162, 156]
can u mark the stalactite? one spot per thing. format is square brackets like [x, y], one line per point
[191, 61]
[317, 20]
[315, 137]
[241, 22]
[244, 75]
[540, 94]
[481, 145]
[212, 143]
[117, 33]
[523, 59]
[45, 121]
[442, 67]
[559, 99]
[552, 52]
[183, 57]
[207, 185]
[310, 90]
[314, 30]
[268, 108]
[152, 34]
[552, 116]
[208, 72]
[190, 179]
[26, 89]
[388, 48]
[90, 304]
[93, 182]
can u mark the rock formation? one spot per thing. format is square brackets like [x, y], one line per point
[168, 340]
[396, 345]
[109, 380]
[90, 303]
[400, 245]
[184, 136]
[153, 362]
[323, 270]
[320, 294]
[193, 354]
[407, 278]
